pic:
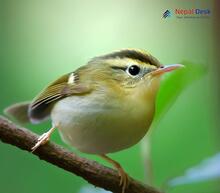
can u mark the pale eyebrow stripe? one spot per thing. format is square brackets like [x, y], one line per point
[131, 54]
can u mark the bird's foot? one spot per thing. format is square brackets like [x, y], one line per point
[124, 178]
[43, 139]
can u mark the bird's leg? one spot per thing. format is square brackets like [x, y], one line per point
[44, 138]
[124, 178]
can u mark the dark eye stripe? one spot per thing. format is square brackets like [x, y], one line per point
[118, 68]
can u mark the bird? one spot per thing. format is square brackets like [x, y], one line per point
[104, 106]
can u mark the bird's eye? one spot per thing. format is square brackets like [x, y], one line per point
[133, 70]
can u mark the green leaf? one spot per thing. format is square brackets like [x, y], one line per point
[174, 83]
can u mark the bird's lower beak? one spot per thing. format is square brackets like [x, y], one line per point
[167, 68]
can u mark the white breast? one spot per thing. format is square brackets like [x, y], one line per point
[94, 125]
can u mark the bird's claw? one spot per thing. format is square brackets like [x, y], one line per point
[124, 179]
[43, 139]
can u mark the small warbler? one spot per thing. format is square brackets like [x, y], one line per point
[102, 107]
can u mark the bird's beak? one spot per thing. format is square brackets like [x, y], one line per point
[161, 70]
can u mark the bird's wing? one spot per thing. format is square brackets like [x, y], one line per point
[66, 85]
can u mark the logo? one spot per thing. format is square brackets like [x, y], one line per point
[166, 14]
[192, 13]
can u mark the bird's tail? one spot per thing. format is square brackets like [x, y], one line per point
[19, 112]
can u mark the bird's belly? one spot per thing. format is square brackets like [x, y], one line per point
[99, 129]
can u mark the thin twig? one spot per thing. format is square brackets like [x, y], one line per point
[91, 171]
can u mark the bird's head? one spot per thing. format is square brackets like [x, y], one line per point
[131, 71]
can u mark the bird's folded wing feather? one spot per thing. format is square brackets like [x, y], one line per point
[41, 106]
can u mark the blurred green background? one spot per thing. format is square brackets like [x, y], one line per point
[41, 40]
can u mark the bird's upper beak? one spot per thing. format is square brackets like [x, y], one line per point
[161, 70]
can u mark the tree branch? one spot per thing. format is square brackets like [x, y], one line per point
[91, 171]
